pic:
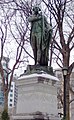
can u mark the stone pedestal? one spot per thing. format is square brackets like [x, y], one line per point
[37, 97]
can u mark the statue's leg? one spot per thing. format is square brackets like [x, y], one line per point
[34, 47]
[44, 58]
[38, 51]
[38, 55]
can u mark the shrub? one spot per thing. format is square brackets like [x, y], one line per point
[5, 115]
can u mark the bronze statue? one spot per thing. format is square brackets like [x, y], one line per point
[40, 37]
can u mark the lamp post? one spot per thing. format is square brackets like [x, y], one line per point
[64, 70]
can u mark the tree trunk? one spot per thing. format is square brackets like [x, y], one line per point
[67, 98]
[66, 56]
[6, 101]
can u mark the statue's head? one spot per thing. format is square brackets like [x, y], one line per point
[36, 10]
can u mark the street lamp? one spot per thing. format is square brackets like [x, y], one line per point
[65, 71]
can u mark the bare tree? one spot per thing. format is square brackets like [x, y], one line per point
[63, 35]
[13, 36]
[63, 41]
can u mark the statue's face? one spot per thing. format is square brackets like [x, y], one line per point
[36, 10]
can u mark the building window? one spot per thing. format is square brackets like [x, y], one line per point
[10, 100]
[11, 95]
[11, 105]
[11, 91]
[4, 64]
[11, 85]
[0, 102]
[59, 75]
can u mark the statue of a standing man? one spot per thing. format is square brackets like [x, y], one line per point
[40, 37]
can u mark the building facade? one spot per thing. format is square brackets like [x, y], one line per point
[5, 62]
[58, 73]
[12, 97]
[1, 96]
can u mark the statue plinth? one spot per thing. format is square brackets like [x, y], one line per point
[38, 69]
[37, 97]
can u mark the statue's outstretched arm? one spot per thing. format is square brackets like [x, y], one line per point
[34, 18]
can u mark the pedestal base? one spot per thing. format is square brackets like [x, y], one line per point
[31, 69]
[37, 97]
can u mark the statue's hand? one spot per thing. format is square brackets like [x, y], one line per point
[34, 18]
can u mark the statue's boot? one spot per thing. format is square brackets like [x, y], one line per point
[38, 56]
